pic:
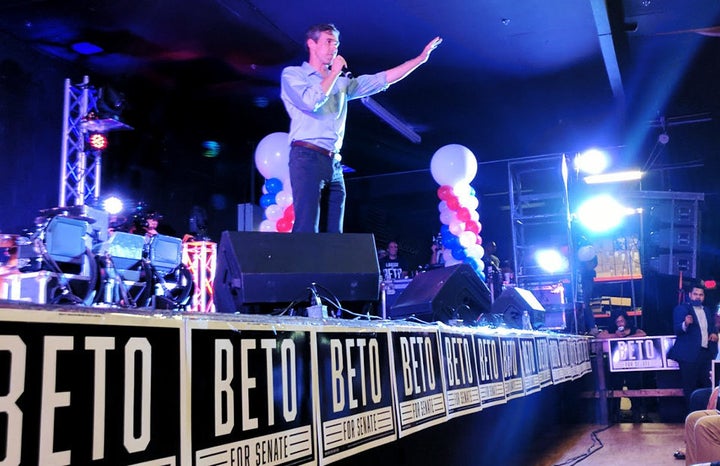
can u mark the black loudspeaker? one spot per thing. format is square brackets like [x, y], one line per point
[513, 302]
[259, 267]
[454, 292]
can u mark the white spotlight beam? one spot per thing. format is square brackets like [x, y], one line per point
[399, 126]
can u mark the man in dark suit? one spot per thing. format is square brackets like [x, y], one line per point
[696, 341]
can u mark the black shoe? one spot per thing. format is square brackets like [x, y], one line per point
[679, 455]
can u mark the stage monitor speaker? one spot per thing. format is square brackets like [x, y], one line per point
[444, 294]
[513, 302]
[260, 267]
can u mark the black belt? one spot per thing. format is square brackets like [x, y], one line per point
[313, 147]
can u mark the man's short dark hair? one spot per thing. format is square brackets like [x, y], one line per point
[698, 285]
[314, 32]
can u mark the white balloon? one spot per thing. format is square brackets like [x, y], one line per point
[448, 217]
[453, 164]
[284, 198]
[586, 253]
[274, 212]
[462, 189]
[268, 226]
[272, 155]
[457, 227]
[471, 202]
[467, 239]
[443, 207]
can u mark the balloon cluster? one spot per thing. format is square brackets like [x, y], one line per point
[453, 167]
[271, 159]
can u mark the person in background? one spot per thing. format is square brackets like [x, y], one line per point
[392, 266]
[493, 275]
[587, 262]
[622, 327]
[436, 256]
[696, 341]
[316, 96]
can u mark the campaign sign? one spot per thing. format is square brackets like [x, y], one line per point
[528, 363]
[90, 389]
[492, 387]
[355, 404]
[419, 394]
[565, 368]
[583, 348]
[555, 364]
[251, 398]
[510, 365]
[460, 364]
[637, 354]
[542, 351]
[667, 343]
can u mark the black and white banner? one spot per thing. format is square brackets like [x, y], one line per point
[252, 401]
[511, 366]
[171, 389]
[461, 374]
[354, 390]
[89, 389]
[490, 375]
[640, 354]
[419, 387]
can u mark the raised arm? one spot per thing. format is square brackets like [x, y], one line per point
[401, 71]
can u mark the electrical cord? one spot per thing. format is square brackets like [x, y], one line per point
[590, 450]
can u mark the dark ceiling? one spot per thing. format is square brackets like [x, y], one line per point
[511, 79]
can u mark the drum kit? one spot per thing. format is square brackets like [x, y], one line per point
[93, 267]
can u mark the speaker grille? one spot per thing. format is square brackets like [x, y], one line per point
[259, 267]
[443, 294]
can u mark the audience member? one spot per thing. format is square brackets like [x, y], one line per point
[702, 434]
[393, 267]
[622, 327]
[695, 343]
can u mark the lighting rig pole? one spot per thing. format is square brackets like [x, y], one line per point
[81, 166]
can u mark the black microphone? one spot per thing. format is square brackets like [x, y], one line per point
[347, 74]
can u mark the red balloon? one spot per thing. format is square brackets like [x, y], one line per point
[284, 225]
[289, 213]
[444, 192]
[472, 226]
[453, 202]
[464, 215]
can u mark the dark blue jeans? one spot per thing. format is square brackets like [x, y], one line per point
[310, 173]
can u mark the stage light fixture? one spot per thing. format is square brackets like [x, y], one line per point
[66, 239]
[551, 260]
[113, 205]
[602, 213]
[165, 253]
[616, 177]
[98, 141]
[592, 161]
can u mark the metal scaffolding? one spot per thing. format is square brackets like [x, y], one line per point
[81, 165]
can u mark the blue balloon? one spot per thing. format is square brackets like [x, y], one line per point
[450, 241]
[458, 252]
[267, 200]
[471, 262]
[273, 185]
